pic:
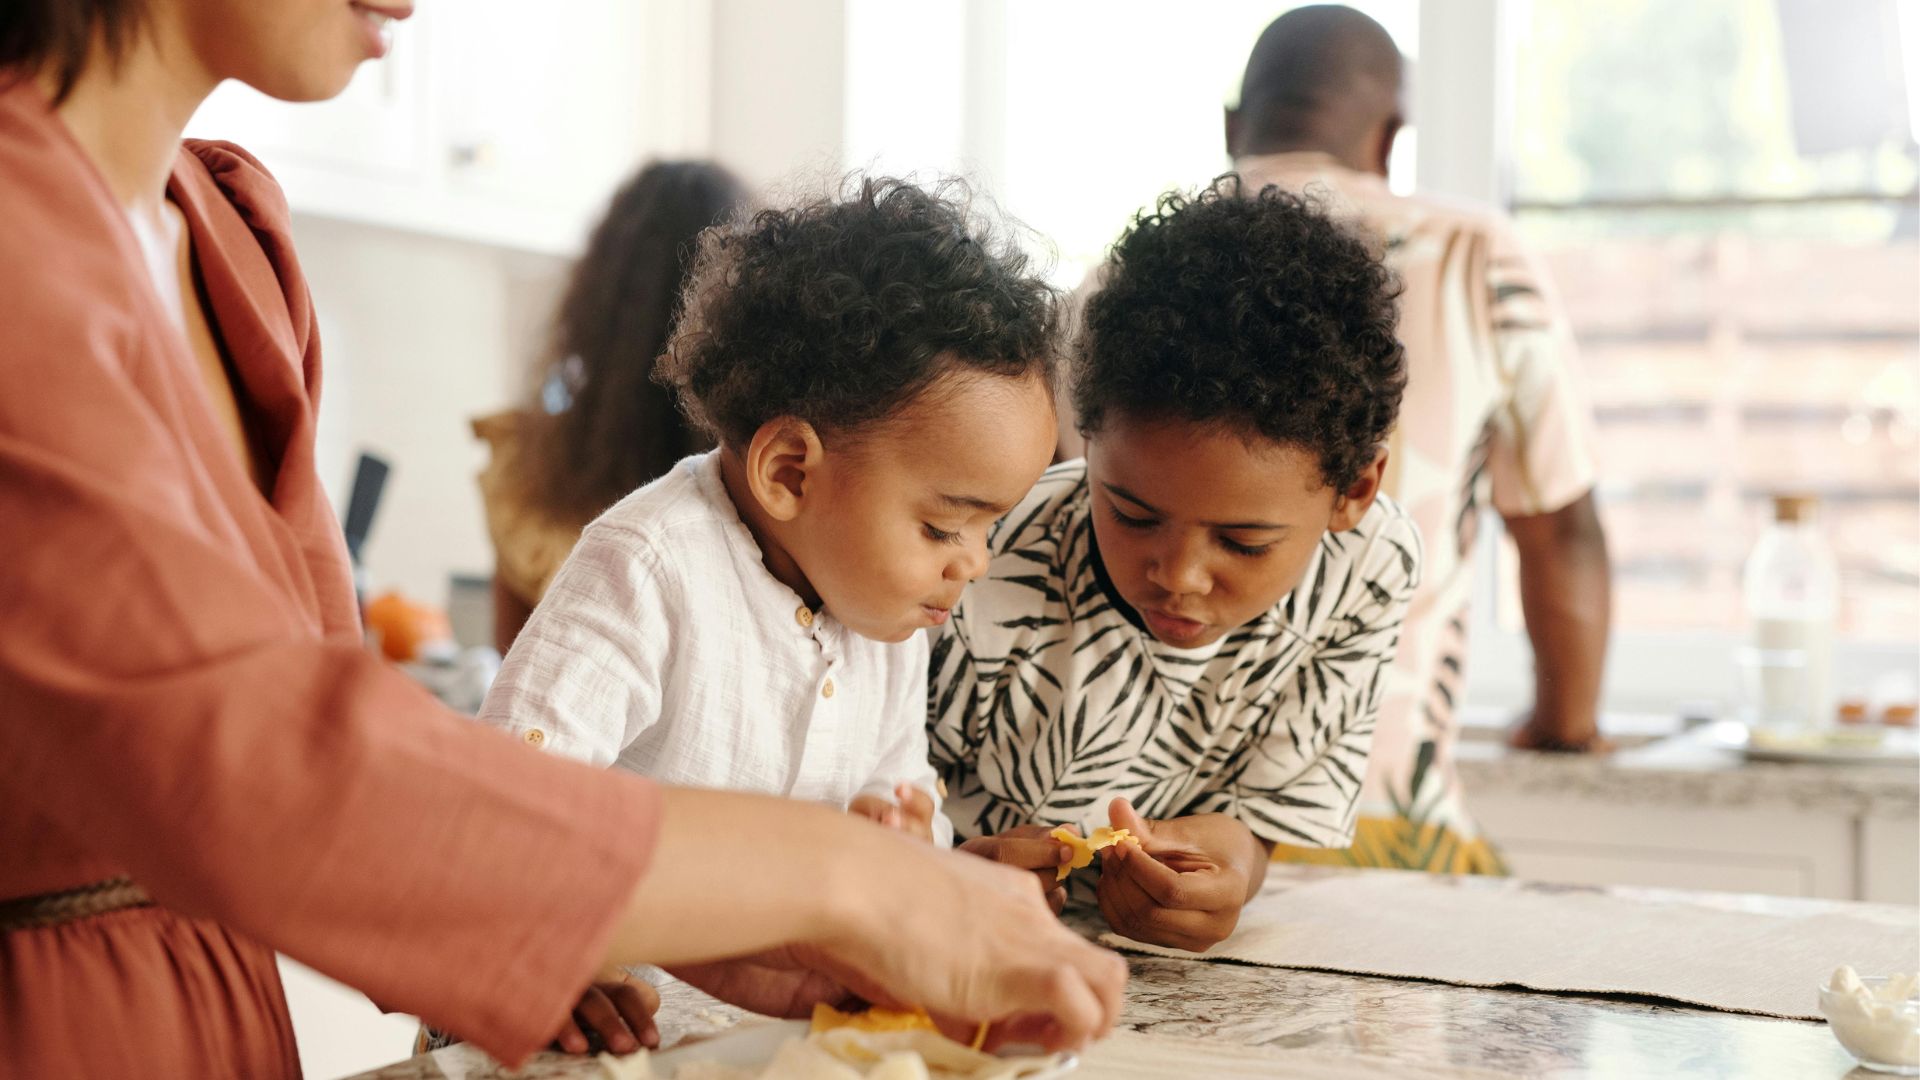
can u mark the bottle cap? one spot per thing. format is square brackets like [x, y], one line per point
[1794, 507]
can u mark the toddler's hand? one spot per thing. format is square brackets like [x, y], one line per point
[911, 814]
[916, 811]
[616, 1014]
[877, 809]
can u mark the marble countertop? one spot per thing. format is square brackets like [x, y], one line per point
[1689, 769]
[1257, 1021]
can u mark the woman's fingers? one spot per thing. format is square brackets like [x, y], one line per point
[1082, 997]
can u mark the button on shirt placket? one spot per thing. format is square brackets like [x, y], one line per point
[820, 742]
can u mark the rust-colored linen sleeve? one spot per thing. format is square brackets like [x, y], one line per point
[180, 696]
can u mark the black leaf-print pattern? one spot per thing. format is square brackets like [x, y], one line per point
[1046, 702]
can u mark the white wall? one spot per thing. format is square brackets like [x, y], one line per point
[423, 333]
[778, 71]
[419, 335]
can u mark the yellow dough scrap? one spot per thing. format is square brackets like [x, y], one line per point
[828, 1018]
[1084, 847]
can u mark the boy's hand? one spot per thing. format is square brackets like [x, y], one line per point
[1184, 886]
[1029, 847]
[618, 1014]
[910, 810]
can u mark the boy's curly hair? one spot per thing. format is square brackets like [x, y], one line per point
[1255, 311]
[841, 310]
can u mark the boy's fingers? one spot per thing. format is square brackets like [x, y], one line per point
[1123, 903]
[1038, 854]
[1128, 909]
[1124, 816]
[1169, 888]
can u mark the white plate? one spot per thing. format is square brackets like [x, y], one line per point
[1896, 746]
[753, 1044]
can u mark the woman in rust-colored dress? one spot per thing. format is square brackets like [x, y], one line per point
[199, 764]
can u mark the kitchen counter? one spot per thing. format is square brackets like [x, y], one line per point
[1223, 1020]
[1690, 770]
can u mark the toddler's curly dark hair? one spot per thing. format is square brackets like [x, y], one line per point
[842, 310]
[1251, 310]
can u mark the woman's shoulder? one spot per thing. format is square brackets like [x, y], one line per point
[68, 265]
[244, 181]
[239, 181]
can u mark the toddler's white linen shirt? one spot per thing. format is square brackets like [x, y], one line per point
[664, 646]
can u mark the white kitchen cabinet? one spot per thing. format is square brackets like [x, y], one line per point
[1890, 860]
[490, 122]
[1777, 851]
[1679, 809]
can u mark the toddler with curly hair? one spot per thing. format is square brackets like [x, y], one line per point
[1185, 634]
[877, 370]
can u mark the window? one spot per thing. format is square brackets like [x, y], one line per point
[1725, 190]
[1075, 113]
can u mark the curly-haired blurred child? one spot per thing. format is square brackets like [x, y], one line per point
[877, 370]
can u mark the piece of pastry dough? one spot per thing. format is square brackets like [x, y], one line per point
[1084, 847]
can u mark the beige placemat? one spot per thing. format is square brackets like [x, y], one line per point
[1479, 932]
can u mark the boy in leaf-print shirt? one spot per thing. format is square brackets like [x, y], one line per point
[1185, 633]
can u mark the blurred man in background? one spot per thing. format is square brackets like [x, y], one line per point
[1494, 413]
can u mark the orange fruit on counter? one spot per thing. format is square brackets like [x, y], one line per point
[404, 627]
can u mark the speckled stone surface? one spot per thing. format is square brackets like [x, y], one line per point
[1691, 771]
[1321, 1024]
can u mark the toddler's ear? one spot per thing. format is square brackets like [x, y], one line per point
[782, 459]
[1353, 503]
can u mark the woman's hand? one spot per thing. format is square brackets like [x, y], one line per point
[972, 941]
[888, 918]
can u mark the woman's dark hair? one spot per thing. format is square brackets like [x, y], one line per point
[843, 309]
[1253, 311]
[56, 35]
[614, 428]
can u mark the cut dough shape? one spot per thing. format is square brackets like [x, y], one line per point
[1084, 847]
